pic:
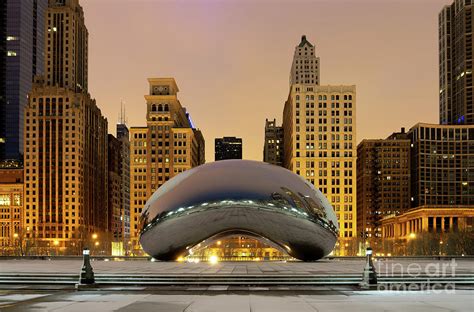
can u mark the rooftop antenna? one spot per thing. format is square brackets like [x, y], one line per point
[122, 119]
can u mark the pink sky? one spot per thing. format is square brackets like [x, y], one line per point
[231, 59]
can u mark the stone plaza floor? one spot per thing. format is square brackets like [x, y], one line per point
[287, 301]
[235, 298]
[335, 266]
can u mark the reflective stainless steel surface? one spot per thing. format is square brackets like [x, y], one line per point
[233, 197]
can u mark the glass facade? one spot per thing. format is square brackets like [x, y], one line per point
[228, 148]
[442, 160]
[22, 59]
[455, 63]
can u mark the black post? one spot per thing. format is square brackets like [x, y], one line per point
[87, 274]
[369, 277]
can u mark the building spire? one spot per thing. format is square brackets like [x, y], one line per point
[122, 118]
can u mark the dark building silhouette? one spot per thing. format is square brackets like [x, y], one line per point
[455, 63]
[228, 148]
[273, 145]
[383, 181]
[22, 28]
[119, 190]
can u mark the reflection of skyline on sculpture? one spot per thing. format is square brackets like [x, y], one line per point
[238, 197]
[239, 71]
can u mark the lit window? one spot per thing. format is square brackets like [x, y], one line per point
[11, 38]
[11, 53]
[16, 200]
[4, 200]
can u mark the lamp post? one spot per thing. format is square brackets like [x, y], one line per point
[369, 277]
[15, 239]
[87, 273]
[95, 242]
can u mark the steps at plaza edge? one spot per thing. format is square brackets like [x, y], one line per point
[227, 279]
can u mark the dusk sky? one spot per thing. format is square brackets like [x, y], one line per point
[232, 59]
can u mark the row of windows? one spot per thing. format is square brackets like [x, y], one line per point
[324, 97]
[333, 128]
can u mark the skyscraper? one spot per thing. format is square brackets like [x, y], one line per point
[22, 57]
[273, 145]
[114, 226]
[228, 148]
[67, 46]
[123, 136]
[442, 165]
[305, 66]
[168, 145]
[65, 141]
[455, 63]
[119, 190]
[383, 181]
[320, 145]
[319, 134]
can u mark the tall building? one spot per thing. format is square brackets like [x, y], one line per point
[65, 142]
[167, 146]
[320, 145]
[119, 190]
[228, 148]
[383, 181]
[442, 161]
[273, 145]
[319, 135]
[114, 226]
[66, 46]
[11, 208]
[455, 63]
[305, 66]
[123, 236]
[22, 57]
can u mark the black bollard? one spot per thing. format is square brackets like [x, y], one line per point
[87, 274]
[369, 277]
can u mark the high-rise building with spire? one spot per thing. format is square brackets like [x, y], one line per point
[319, 135]
[119, 188]
[305, 66]
[65, 143]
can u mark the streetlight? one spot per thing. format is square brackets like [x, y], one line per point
[94, 236]
[15, 237]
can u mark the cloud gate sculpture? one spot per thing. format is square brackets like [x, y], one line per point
[238, 197]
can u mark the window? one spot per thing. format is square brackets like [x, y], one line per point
[11, 53]
[5, 200]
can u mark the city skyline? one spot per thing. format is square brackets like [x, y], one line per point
[255, 77]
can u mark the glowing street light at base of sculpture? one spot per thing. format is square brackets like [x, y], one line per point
[213, 260]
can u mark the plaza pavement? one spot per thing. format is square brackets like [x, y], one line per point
[334, 266]
[256, 301]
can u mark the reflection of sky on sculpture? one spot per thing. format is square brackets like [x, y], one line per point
[232, 59]
[238, 196]
[231, 180]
